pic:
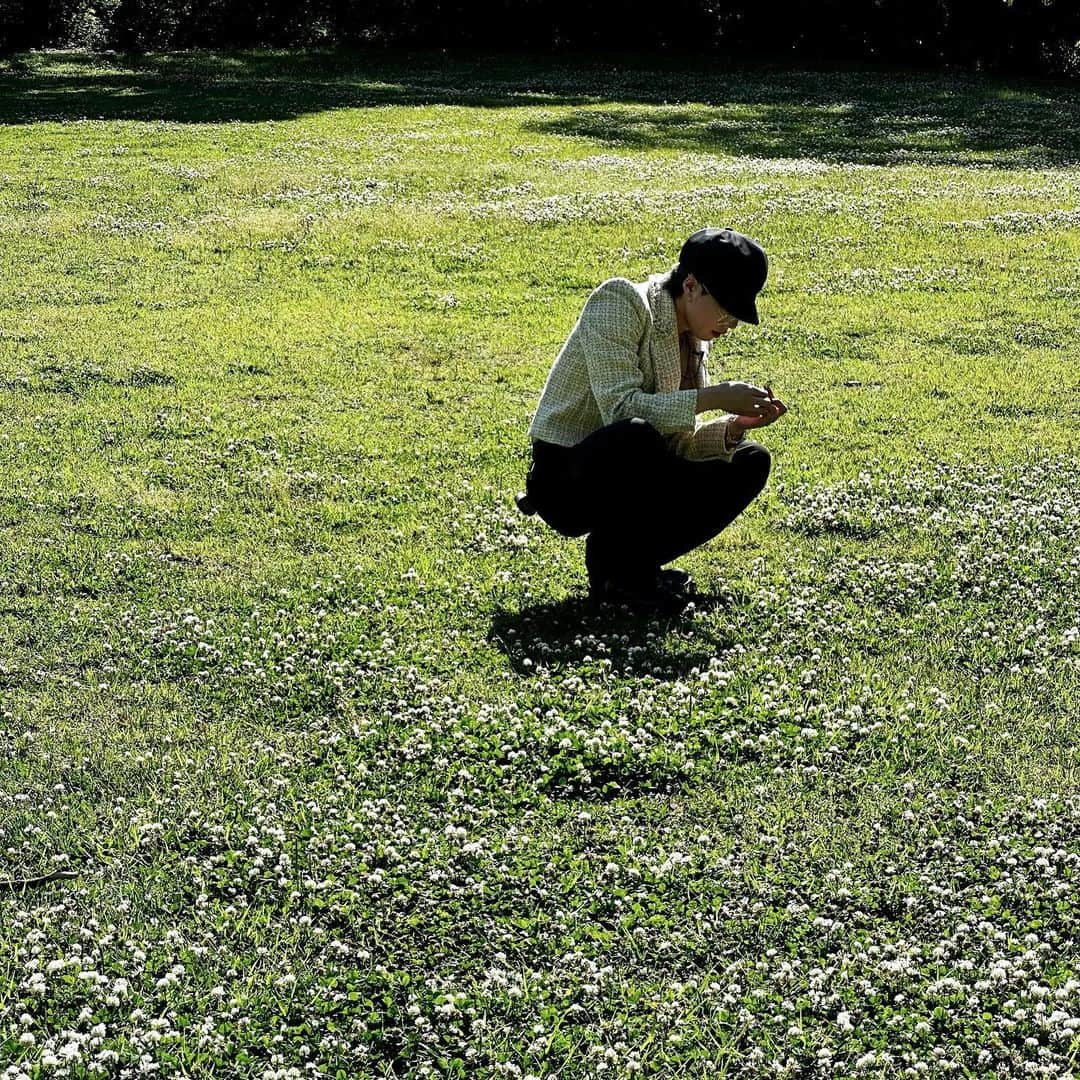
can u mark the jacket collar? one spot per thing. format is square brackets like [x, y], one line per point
[663, 307]
[665, 341]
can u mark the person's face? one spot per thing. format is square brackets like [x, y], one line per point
[703, 316]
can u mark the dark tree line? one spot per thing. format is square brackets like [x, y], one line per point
[1022, 36]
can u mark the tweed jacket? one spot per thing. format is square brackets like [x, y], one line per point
[622, 360]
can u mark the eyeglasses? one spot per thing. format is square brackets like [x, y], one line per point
[727, 319]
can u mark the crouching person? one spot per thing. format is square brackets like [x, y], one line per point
[618, 451]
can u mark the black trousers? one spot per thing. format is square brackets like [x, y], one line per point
[641, 504]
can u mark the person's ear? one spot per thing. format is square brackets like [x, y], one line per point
[689, 284]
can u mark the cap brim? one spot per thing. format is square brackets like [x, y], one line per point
[745, 310]
[744, 307]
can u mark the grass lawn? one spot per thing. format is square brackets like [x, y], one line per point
[348, 780]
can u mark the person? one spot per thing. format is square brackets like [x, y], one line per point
[618, 450]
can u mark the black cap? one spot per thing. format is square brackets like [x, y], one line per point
[731, 266]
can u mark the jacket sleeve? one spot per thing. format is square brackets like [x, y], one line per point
[611, 330]
[707, 442]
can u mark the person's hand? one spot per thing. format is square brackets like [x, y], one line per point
[769, 413]
[740, 398]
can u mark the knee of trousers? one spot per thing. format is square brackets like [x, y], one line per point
[756, 462]
[640, 437]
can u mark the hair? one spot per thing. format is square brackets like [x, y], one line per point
[676, 276]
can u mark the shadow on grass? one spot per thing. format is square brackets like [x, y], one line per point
[258, 86]
[941, 128]
[573, 633]
[882, 117]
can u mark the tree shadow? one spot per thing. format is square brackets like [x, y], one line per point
[859, 117]
[571, 634]
[257, 86]
[847, 119]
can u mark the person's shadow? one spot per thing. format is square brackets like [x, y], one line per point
[571, 633]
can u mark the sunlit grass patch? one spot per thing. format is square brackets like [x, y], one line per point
[352, 780]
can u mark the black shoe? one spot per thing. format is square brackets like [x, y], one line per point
[678, 580]
[646, 598]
